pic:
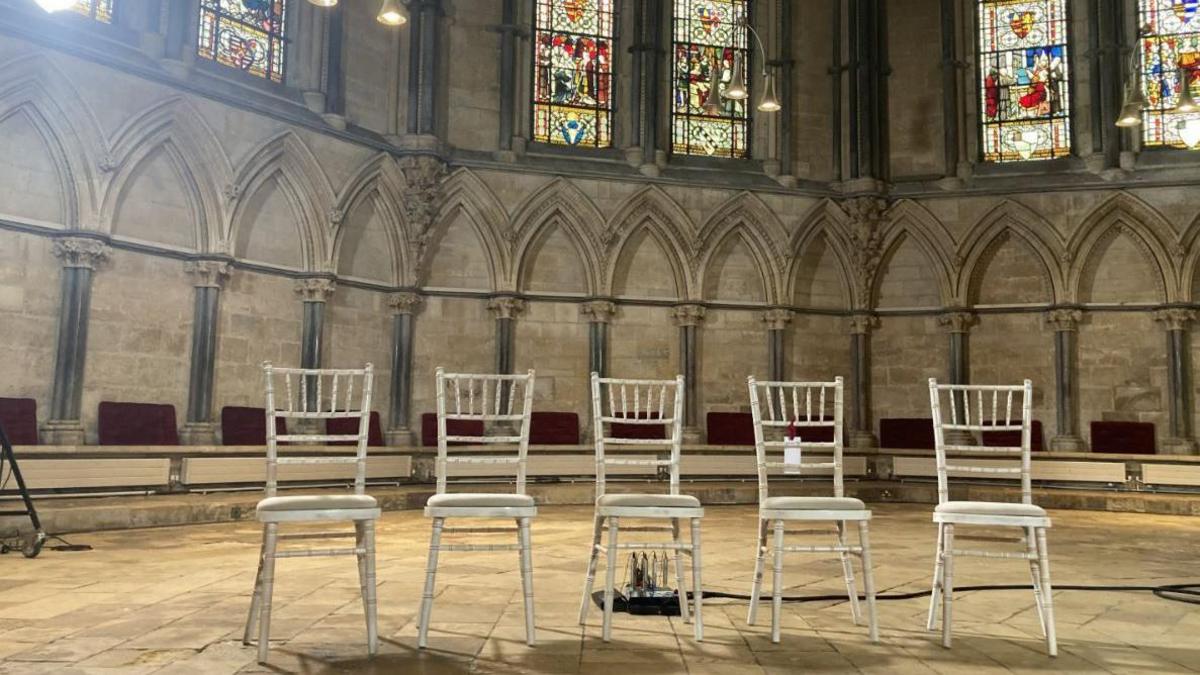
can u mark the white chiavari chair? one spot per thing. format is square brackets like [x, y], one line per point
[313, 395]
[487, 399]
[801, 407]
[641, 402]
[1031, 519]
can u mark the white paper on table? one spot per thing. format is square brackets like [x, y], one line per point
[791, 455]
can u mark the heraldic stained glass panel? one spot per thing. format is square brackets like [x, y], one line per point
[1171, 44]
[572, 72]
[100, 10]
[1024, 80]
[707, 35]
[244, 34]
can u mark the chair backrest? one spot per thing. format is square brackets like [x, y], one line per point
[634, 403]
[486, 399]
[995, 400]
[312, 394]
[812, 409]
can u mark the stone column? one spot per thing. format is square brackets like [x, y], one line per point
[424, 30]
[599, 314]
[867, 100]
[314, 293]
[509, 32]
[777, 321]
[506, 309]
[688, 318]
[1179, 380]
[80, 257]
[208, 276]
[958, 325]
[862, 433]
[404, 306]
[1065, 322]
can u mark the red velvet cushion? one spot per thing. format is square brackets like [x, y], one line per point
[349, 425]
[137, 424]
[656, 431]
[906, 432]
[247, 426]
[18, 416]
[429, 436]
[1128, 438]
[1012, 439]
[729, 428]
[554, 428]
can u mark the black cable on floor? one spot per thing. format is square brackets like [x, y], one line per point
[1189, 593]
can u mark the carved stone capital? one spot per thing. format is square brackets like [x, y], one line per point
[405, 303]
[1064, 320]
[1175, 318]
[777, 319]
[208, 273]
[863, 324]
[81, 252]
[598, 311]
[315, 289]
[957, 322]
[687, 315]
[506, 307]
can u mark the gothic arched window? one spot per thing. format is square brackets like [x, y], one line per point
[706, 36]
[244, 34]
[1024, 79]
[100, 10]
[1170, 52]
[572, 72]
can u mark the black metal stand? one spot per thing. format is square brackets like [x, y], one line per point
[39, 535]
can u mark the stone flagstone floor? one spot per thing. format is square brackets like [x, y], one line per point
[173, 600]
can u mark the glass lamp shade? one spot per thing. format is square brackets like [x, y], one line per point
[323, 3]
[736, 89]
[55, 5]
[1131, 113]
[1189, 132]
[1187, 102]
[392, 13]
[769, 102]
[712, 103]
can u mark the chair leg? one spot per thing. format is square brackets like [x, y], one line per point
[1035, 574]
[527, 578]
[268, 585]
[937, 581]
[1047, 591]
[848, 575]
[947, 582]
[697, 582]
[756, 585]
[610, 577]
[864, 540]
[435, 543]
[593, 559]
[777, 583]
[367, 567]
[256, 597]
[684, 611]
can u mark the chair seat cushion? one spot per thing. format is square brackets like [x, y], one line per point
[650, 500]
[477, 499]
[316, 502]
[814, 504]
[991, 509]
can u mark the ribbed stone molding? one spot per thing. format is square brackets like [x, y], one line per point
[315, 289]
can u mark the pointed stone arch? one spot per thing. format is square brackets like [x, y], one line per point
[822, 225]
[1123, 215]
[558, 204]
[33, 86]
[1008, 218]
[750, 218]
[377, 181]
[287, 158]
[174, 127]
[652, 211]
[1187, 251]
[465, 194]
[907, 220]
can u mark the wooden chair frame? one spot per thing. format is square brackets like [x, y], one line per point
[648, 398]
[775, 516]
[1031, 520]
[307, 402]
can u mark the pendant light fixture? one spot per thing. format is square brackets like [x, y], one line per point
[1189, 133]
[392, 13]
[323, 3]
[1187, 102]
[736, 89]
[769, 102]
[55, 5]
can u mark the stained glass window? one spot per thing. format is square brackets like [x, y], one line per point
[100, 10]
[572, 72]
[244, 34]
[707, 35]
[1024, 79]
[1170, 43]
